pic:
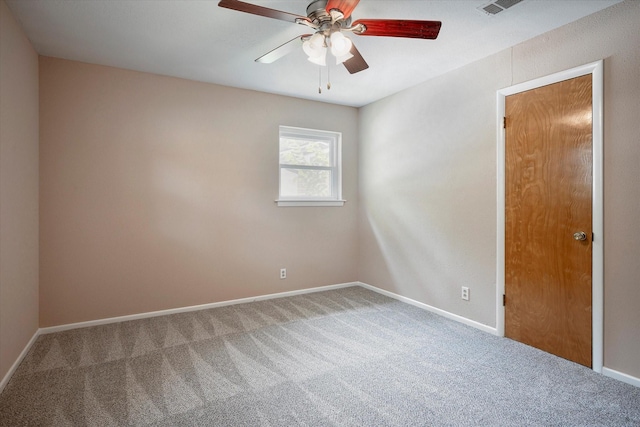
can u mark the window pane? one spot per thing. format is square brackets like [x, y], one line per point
[305, 183]
[304, 153]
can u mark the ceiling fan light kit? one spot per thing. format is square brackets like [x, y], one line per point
[317, 45]
[341, 47]
[330, 19]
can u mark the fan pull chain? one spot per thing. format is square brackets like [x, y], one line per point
[320, 78]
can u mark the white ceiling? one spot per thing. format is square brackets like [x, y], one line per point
[197, 40]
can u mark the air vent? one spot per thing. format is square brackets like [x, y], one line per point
[498, 6]
[506, 4]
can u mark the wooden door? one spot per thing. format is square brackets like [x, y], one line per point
[548, 198]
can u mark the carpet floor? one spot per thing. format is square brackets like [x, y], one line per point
[346, 357]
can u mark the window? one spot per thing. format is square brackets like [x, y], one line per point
[310, 167]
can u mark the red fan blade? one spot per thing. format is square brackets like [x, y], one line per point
[262, 11]
[399, 28]
[282, 50]
[357, 63]
[344, 6]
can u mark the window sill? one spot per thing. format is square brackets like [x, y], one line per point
[290, 203]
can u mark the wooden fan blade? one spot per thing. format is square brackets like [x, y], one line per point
[262, 11]
[282, 50]
[344, 6]
[398, 28]
[357, 63]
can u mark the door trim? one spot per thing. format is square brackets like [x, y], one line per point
[596, 70]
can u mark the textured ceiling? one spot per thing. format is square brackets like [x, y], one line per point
[198, 40]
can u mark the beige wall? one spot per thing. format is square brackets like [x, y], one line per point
[158, 193]
[427, 164]
[428, 190]
[18, 190]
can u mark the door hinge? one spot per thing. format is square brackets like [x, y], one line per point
[593, 237]
[504, 122]
[504, 300]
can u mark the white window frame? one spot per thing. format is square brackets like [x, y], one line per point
[335, 140]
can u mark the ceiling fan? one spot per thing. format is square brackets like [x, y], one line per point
[329, 19]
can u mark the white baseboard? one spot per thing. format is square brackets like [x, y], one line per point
[625, 378]
[435, 310]
[15, 365]
[108, 320]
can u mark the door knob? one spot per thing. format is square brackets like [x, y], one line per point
[580, 235]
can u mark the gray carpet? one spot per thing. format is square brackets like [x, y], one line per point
[348, 357]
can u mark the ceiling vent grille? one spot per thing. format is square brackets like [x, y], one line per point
[498, 6]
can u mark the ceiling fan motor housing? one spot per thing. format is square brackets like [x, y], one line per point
[317, 13]
[316, 7]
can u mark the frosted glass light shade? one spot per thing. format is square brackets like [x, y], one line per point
[340, 45]
[320, 60]
[341, 59]
[314, 47]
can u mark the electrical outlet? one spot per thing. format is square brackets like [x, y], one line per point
[283, 273]
[465, 293]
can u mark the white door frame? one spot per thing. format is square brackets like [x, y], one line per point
[596, 70]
